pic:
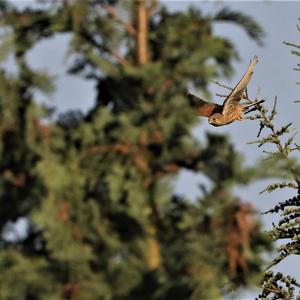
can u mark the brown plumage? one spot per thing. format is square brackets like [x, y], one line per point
[231, 110]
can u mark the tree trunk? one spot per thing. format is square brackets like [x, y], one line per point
[142, 32]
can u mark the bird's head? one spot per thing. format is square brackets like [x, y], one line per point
[215, 119]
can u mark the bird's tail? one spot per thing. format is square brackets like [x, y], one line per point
[194, 101]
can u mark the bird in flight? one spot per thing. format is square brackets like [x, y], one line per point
[231, 110]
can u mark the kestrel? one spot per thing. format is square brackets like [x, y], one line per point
[231, 110]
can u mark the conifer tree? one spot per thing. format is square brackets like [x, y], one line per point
[96, 189]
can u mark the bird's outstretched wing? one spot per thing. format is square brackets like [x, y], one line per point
[236, 95]
[204, 108]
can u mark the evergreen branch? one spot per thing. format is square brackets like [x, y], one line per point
[283, 129]
[287, 232]
[222, 85]
[297, 53]
[121, 60]
[295, 201]
[269, 139]
[291, 44]
[272, 284]
[103, 48]
[281, 185]
[152, 7]
[290, 216]
[119, 148]
[290, 210]
[113, 13]
[289, 142]
[274, 111]
[6, 46]
[189, 162]
[261, 127]
[220, 95]
[270, 153]
[266, 121]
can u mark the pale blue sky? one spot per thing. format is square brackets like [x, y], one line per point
[274, 75]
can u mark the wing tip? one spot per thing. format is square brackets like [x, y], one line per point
[254, 60]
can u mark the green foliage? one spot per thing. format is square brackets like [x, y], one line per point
[96, 189]
[29, 274]
[277, 286]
